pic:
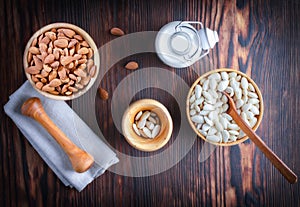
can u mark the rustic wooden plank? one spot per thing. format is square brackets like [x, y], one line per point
[260, 38]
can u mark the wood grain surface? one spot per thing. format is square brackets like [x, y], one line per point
[260, 38]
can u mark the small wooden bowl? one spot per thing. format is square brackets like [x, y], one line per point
[141, 143]
[86, 37]
[259, 117]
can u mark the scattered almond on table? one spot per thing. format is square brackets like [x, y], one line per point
[103, 93]
[132, 65]
[116, 31]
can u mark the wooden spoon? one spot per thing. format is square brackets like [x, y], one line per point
[276, 161]
[81, 161]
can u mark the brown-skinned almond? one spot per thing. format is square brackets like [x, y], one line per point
[132, 65]
[34, 50]
[103, 93]
[62, 43]
[116, 31]
[49, 59]
[69, 33]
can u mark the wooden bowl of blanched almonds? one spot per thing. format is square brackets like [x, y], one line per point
[147, 125]
[207, 105]
[61, 61]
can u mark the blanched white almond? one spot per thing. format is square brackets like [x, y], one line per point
[213, 93]
[204, 133]
[253, 121]
[207, 95]
[244, 83]
[254, 110]
[141, 123]
[251, 87]
[213, 84]
[204, 113]
[192, 99]
[197, 119]
[252, 95]
[244, 116]
[198, 91]
[215, 76]
[136, 130]
[138, 116]
[234, 84]
[199, 101]
[233, 132]
[224, 122]
[197, 108]
[246, 107]
[253, 101]
[147, 132]
[224, 99]
[218, 126]
[224, 75]
[213, 115]
[155, 131]
[208, 121]
[205, 85]
[238, 93]
[230, 91]
[223, 85]
[225, 135]
[239, 103]
[206, 127]
[225, 107]
[192, 112]
[208, 107]
[211, 130]
[145, 115]
[149, 125]
[227, 116]
[153, 120]
[232, 74]
[213, 138]
[241, 134]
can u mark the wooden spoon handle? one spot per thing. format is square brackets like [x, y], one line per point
[81, 161]
[276, 161]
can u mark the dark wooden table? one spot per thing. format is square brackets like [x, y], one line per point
[260, 38]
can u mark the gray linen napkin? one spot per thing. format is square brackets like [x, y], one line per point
[65, 118]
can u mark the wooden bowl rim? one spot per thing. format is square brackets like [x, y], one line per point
[261, 105]
[86, 37]
[145, 144]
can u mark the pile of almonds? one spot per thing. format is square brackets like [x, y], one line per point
[208, 106]
[60, 62]
[147, 124]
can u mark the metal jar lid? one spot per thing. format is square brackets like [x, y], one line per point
[178, 44]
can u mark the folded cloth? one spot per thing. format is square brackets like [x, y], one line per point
[65, 118]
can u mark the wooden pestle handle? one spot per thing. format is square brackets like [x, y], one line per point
[276, 161]
[80, 159]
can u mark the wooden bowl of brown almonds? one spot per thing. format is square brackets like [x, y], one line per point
[61, 61]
